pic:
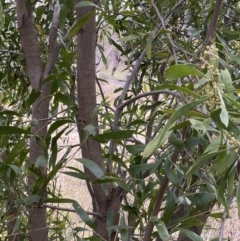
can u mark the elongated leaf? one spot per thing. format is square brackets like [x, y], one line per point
[33, 96]
[56, 125]
[201, 161]
[238, 196]
[161, 228]
[193, 236]
[227, 80]
[134, 149]
[31, 199]
[115, 135]
[2, 17]
[164, 134]
[15, 152]
[41, 162]
[180, 70]
[149, 47]
[5, 130]
[92, 166]
[224, 113]
[215, 115]
[59, 200]
[232, 101]
[83, 215]
[85, 4]
[15, 168]
[123, 231]
[172, 176]
[131, 37]
[119, 181]
[79, 24]
[78, 175]
[9, 112]
[178, 88]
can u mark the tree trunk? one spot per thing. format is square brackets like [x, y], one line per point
[86, 77]
[38, 229]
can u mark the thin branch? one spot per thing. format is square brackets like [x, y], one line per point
[157, 205]
[168, 35]
[70, 210]
[223, 219]
[213, 24]
[104, 100]
[53, 48]
[155, 92]
[10, 52]
[159, 200]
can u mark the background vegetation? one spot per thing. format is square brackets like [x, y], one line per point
[157, 157]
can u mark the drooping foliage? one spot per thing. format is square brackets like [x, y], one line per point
[155, 161]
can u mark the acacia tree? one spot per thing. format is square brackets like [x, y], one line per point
[156, 164]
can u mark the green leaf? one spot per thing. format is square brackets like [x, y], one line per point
[31, 199]
[164, 134]
[15, 168]
[234, 58]
[79, 175]
[33, 96]
[227, 80]
[178, 88]
[2, 18]
[123, 231]
[112, 178]
[161, 228]
[173, 140]
[232, 101]
[90, 129]
[56, 125]
[135, 149]
[85, 4]
[9, 112]
[169, 207]
[66, 100]
[79, 24]
[238, 196]
[215, 115]
[172, 176]
[15, 152]
[149, 47]
[180, 70]
[193, 236]
[201, 161]
[224, 113]
[115, 135]
[131, 37]
[83, 215]
[59, 200]
[41, 162]
[11, 130]
[92, 166]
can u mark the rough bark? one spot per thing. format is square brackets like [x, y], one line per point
[37, 216]
[86, 77]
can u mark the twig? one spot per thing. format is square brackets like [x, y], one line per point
[168, 35]
[223, 219]
[70, 210]
[53, 51]
[213, 24]
[155, 92]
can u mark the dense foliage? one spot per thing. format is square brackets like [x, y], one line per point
[169, 142]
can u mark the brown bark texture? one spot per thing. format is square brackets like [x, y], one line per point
[86, 82]
[38, 230]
